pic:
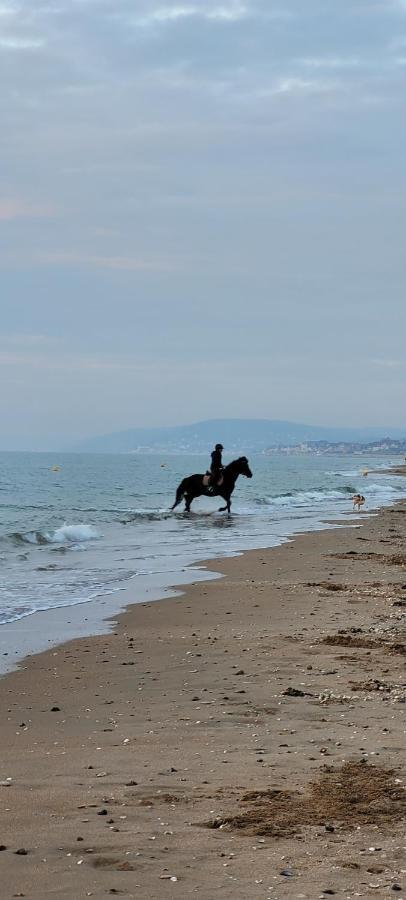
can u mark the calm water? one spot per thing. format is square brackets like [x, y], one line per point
[93, 527]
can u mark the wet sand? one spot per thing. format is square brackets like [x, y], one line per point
[246, 738]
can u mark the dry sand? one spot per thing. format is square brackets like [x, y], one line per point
[246, 739]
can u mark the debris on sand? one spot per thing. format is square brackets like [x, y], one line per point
[326, 697]
[353, 794]
[389, 559]
[296, 692]
[348, 640]
[329, 585]
[374, 684]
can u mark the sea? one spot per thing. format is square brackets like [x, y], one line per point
[76, 528]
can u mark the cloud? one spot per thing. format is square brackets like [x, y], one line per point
[24, 339]
[331, 62]
[294, 85]
[6, 11]
[16, 209]
[25, 349]
[19, 31]
[168, 14]
[231, 12]
[16, 43]
[120, 263]
[251, 149]
[389, 363]
[228, 13]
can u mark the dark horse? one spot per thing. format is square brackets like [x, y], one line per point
[194, 486]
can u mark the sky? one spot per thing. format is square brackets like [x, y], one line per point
[202, 214]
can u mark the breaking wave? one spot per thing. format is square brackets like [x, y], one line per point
[66, 534]
[308, 498]
[322, 495]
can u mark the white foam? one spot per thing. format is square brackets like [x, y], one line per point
[307, 498]
[69, 534]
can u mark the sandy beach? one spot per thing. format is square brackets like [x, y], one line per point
[245, 739]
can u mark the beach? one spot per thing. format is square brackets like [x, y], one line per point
[245, 737]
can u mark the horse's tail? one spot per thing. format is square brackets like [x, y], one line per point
[179, 494]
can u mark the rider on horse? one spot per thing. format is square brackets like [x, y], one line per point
[196, 485]
[216, 468]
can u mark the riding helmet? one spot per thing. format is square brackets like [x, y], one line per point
[219, 447]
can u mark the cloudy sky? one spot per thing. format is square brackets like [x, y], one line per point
[202, 213]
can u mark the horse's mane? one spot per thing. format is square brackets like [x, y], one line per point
[235, 461]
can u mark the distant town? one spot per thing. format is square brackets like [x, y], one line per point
[343, 448]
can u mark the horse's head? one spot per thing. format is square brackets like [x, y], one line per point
[243, 467]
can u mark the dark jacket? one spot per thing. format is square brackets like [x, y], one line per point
[216, 463]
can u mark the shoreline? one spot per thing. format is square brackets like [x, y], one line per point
[51, 627]
[118, 745]
[42, 629]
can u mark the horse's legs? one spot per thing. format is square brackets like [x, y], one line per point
[227, 507]
[179, 496]
[188, 500]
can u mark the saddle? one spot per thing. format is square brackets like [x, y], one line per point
[206, 481]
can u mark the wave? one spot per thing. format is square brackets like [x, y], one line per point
[66, 534]
[348, 473]
[372, 491]
[73, 533]
[307, 498]
[9, 615]
[384, 488]
[149, 515]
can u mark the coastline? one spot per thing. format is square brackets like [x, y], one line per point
[168, 721]
[40, 625]
[52, 626]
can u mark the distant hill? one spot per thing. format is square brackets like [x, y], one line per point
[237, 435]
